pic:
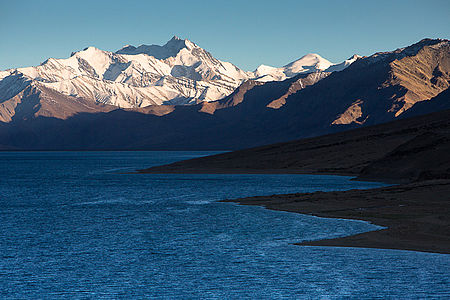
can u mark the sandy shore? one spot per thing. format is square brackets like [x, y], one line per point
[416, 215]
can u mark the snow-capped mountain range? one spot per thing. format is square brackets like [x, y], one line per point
[36, 115]
[179, 72]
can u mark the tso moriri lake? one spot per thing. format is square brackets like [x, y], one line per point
[81, 225]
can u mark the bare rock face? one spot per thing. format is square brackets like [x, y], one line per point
[232, 100]
[421, 76]
[351, 115]
[299, 84]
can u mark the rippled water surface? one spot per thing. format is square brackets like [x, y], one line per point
[74, 224]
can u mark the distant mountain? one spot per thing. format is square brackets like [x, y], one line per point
[179, 72]
[371, 90]
[307, 64]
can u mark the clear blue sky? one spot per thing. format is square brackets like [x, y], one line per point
[245, 32]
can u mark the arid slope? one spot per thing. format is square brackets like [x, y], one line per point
[402, 150]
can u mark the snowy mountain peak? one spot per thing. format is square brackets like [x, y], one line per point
[344, 64]
[127, 49]
[312, 56]
[176, 39]
[308, 63]
[170, 49]
[176, 44]
[354, 57]
[91, 49]
[88, 52]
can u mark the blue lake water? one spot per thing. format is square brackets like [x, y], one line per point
[74, 225]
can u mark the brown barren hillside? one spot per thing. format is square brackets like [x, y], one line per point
[402, 150]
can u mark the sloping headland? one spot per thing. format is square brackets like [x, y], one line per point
[416, 215]
[414, 152]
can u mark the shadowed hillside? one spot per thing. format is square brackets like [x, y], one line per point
[403, 150]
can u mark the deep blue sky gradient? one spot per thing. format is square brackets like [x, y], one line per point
[247, 33]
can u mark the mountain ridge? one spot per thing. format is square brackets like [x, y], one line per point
[177, 73]
[372, 90]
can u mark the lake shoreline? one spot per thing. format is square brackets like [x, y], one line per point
[414, 213]
[413, 222]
